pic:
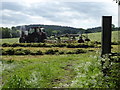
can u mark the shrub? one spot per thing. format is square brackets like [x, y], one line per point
[110, 69]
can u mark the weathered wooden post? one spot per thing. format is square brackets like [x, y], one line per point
[106, 34]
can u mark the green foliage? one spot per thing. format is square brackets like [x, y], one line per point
[9, 33]
[6, 32]
[110, 69]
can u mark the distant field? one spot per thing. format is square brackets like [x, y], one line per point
[92, 36]
[97, 36]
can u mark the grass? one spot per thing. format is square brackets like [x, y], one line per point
[53, 71]
[9, 40]
[50, 71]
[97, 36]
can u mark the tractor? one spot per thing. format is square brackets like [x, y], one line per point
[33, 35]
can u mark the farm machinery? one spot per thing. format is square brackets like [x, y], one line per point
[35, 34]
[32, 35]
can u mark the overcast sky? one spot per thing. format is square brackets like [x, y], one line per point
[80, 14]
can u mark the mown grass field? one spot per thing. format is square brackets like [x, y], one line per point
[97, 36]
[81, 70]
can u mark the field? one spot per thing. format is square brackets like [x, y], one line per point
[92, 36]
[62, 67]
[97, 36]
[9, 40]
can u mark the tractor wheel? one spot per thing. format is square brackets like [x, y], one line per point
[21, 40]
[36, 39]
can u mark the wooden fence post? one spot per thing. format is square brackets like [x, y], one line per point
[106, 34]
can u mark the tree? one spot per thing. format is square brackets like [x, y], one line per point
[15, 33]
[113, 26]
[9, 33]
[6, 32]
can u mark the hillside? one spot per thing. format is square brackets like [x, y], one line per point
[54, 29]
[59, 30]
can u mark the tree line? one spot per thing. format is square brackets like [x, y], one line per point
[9, 32]
[14, 32]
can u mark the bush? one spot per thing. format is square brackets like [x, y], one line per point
[110, 69]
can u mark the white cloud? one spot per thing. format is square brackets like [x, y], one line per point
[74, 14]
[35, 1]
[119, 16]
